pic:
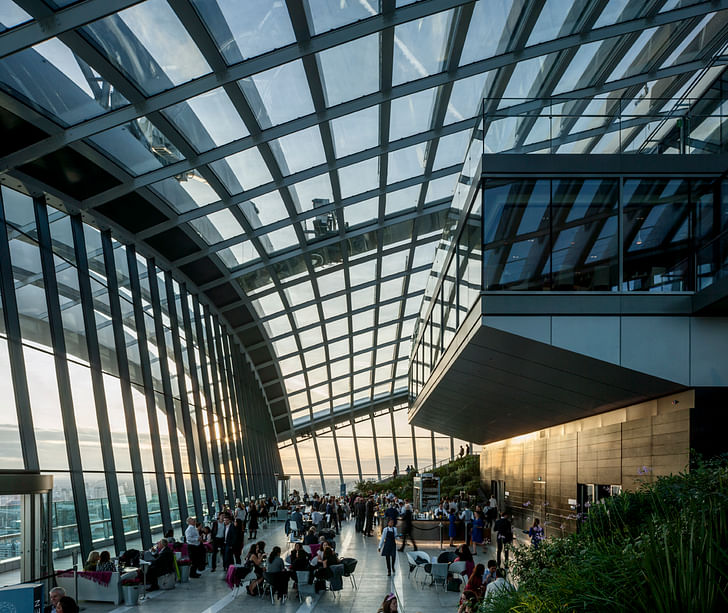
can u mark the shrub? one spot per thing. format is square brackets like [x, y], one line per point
[663, 548]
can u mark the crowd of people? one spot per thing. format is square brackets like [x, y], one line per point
[312, 525]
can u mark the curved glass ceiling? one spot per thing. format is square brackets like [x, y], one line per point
[296, 160]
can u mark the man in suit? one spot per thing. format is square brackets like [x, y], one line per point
[218, 541]
[162, 564]
[230, 540]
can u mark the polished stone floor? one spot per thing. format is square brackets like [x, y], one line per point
[210, 594]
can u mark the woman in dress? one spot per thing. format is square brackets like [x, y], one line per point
[451, 516]
[477, 536]
[239, 539]
[252, 521]
[475, 583]
[388, 545]
[536, 533]
[255, 560]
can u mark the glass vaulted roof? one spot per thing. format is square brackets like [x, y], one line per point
[295, 160]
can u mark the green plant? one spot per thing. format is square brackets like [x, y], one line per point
[663, 548]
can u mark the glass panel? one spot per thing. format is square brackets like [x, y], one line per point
[327, 15]
[11, 15]
[656, 234]
[266, 26]
[47, 421]
[584, 235]
[298, 151]
[85, 416]
[150, 45]
[242, 171]
[359, 178]
[356, 131]
[279, 94]
[350, 70]
[420, 47]
[411, 114]
[208, 120]
[62, 84]
[265, 209]
[406, 163]
[11, 455]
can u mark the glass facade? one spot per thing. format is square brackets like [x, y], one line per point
[92, 341]
[580, 234]
[367, 448]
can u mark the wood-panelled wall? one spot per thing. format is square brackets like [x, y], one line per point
[624, 447]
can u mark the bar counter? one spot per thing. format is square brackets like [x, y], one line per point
[429, 529]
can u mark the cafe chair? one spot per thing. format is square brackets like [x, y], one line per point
[304, 587]
[456, 570]
[437, 573]
[336, 582]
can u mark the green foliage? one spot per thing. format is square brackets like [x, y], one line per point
[460, 474]
[663, 548]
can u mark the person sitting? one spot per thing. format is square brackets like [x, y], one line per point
[328, 559]
[54, 596]
[464, 555]
[500, 584]
[169, 535]
[67, 605]
[92, 561]
[163, 564]
[490, 576]
[310, 538]
[255, 560]
[277, 573]
[468, 602]
[105, 564]
[475, 583]
[297, 521]
[299, 558]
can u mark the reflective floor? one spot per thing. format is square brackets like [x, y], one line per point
[210, 593]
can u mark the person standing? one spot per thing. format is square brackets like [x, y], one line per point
[388, 545]
[407, 527]
[477, 534]
[369, 510]
[467, 517]
[451, 517]
[194, 547]
[505, 537]
[229, 541]
[218, 540]
[239, 539]
[462, 452]
[252, 521]
[360, 510]
[536, 533]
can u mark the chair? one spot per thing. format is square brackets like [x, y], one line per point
[446, 557]
[349, 568]
[336, 582]
[457, 569]
[414, 563]
[437, 573]
[304, 587]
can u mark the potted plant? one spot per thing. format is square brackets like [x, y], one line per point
[184, 569]
[130, 589]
